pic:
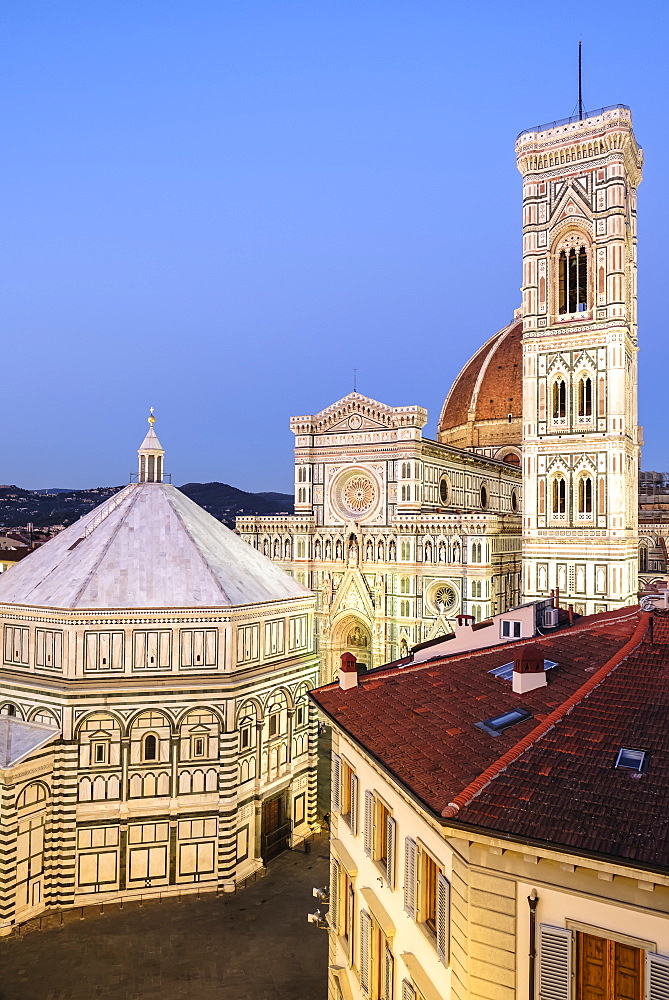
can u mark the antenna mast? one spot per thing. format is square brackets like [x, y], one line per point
[580, 85]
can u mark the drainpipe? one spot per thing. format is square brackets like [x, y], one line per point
[532, 899]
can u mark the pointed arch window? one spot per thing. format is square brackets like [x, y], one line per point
[585, 397]
[585, 495]
[559, 399]
[559, 495]
[573, 280]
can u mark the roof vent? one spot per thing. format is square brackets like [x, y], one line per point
[528, 670]
[631, 760]
[499, 723]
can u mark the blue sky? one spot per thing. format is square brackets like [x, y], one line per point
[221, 208]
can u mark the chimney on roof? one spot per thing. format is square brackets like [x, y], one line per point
[465, 620]
[348, 672]
[528, 670]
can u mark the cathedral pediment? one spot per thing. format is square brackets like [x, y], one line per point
[356, 412]
[354, 423]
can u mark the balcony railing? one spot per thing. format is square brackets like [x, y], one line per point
[574, 118]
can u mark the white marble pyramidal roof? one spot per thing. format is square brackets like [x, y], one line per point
[149, 546]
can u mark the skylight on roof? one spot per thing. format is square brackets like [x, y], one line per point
[633, 760]
[506, 670]
[499, 723]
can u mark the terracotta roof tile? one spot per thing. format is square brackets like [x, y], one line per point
[420, 723]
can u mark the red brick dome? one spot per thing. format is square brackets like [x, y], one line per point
[483, 410]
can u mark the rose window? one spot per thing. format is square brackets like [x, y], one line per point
[445, 595]
[355, 495]
[359, 494]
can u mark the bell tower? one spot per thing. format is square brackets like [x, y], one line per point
[580, 435]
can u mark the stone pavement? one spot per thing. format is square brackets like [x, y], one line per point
[253, 945]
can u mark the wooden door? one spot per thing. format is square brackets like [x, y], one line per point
[627, 972]
[607, 970]
[275, 827]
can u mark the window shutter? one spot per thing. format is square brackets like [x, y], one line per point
[334, 894]
[365, 934]
[443, 915]
[408, 992]
[351, 924]
[336, 791]
[554, 963]
[391, 826]
[410, 876]
[657, 976]
[354, 804]
[369, 823]
[388, 965]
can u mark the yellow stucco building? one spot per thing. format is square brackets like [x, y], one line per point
[499, 820]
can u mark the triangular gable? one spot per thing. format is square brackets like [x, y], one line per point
[572, 203]
[353, 595]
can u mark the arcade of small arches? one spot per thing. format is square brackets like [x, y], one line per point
[572, 153]
[379, 548]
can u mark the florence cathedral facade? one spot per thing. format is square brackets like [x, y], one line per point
[531, 485]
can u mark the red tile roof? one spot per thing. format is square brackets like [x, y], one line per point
[540, 777]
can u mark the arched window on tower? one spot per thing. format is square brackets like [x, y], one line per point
[585, 397]
[559, 399]
[573, 278]
[559, 495]
[585, 495]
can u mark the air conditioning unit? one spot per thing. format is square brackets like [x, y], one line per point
[550, 617]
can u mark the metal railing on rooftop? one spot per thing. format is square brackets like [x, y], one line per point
[573, 118]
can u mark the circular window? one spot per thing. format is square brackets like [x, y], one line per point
[514, 501]
[444, 489]
[484, 497]
[444, 594]
[359, 494]
[355, 494]
[355, 421]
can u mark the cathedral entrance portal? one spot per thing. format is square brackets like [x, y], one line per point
[353, 635]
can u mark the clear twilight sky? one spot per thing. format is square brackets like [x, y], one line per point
[221, 208]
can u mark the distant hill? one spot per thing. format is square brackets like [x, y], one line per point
[226, 502]
[44, 508]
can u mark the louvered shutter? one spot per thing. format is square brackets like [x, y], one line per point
[657, 976]
[336, 786]
[388, 970]
[554, 963]
[334, 894]
[369, 823]
[351, 922]
[365, 942]
[408, 992]
[410, 859]
[354, 804]
[391, 827]
[443, 915]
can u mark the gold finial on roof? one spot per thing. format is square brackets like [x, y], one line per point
[152, 419]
